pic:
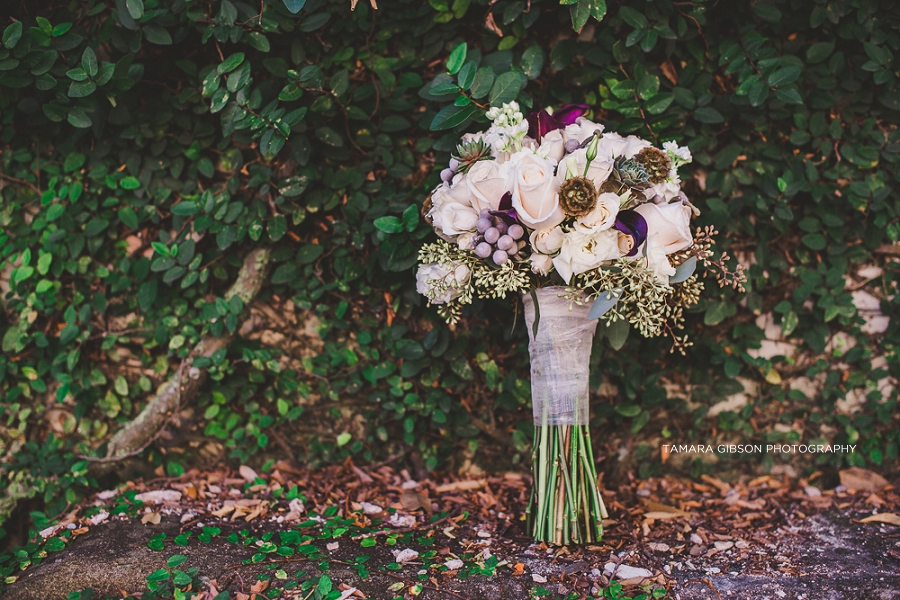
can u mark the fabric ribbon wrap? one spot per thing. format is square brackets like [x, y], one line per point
[560, 357]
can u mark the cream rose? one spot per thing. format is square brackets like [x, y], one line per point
[534, 190]
[429, 278]
[456, 219]
[602, 217]
[657, 260]
[626, 243]
[547, 241]
[580, 130]
[574, 163]
[613, 145]
[553, 146]
[486, 183]
[671, 222]
[582, 252]
[540, 263]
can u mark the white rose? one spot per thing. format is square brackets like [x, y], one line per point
[485, 183]
[626, 243]
[430, 277]
[613, 145]
[657, 260]
[456, 219]
[534, 190]
[582, 252]
[580, 130]
[547, 241]
[574, 163]
[602, 217]
[553, 146]
[540, 263]
[672, 223]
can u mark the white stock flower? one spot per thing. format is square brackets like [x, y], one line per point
[602, 217]
[430, 279]
[680, 155]
[582, 252]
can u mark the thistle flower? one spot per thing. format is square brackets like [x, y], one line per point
[577, 196]
[469, 153]
[655, 162]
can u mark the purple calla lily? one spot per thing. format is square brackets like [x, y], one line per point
[506, 211]
[540, 123]
[631, 223]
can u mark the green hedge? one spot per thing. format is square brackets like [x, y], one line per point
[148, 146]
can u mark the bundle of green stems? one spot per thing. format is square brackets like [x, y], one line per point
[566, 507]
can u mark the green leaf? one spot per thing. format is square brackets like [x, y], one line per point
[95, 227]
[533, 61]
[157, 35]
[411, 218]
[78, 118]
[457, 58]
[819, 52]
[789, 323]
[451, 116]
[659, 103]
[343, 438]
[708, 114]
[54, 544]
[814, 241]
[294, 6]
[605, 301]
[617, 333]
[505, 88]
[130, 183]
[231, 63]
[633, 17]
[276, 228]
[628, 410]
[647, 86]
[598, 9]
[718, 312]
[785, 76]
[389, 224]
[684, 270]
[789, 96]
[580, 13]
[89, 61]
[12, 34]
[484, 80]
[308, 253]
[176, 560]
[466, 75]
[135, 8]
[80, 89]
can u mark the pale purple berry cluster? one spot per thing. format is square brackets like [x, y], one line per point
[496, 239]
[448, 173]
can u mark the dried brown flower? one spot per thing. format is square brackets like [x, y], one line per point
[577, 196]
[655, 162]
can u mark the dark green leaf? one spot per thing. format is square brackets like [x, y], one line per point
[633, 17]
[457, 58]
[505, 88]
[135, 8]
[708, 114]
[294, 6]
[451, 116]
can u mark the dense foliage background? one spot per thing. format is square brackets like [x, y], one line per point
[148, 146]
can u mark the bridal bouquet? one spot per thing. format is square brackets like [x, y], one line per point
[583, 225]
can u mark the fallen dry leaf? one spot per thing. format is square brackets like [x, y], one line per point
[159, 496]
[248, 474]
[151, 517]
[889, 518]
[658, 514]
[862, 480]
[467, 484]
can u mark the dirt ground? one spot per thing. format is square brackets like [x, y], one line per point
[764, 538]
